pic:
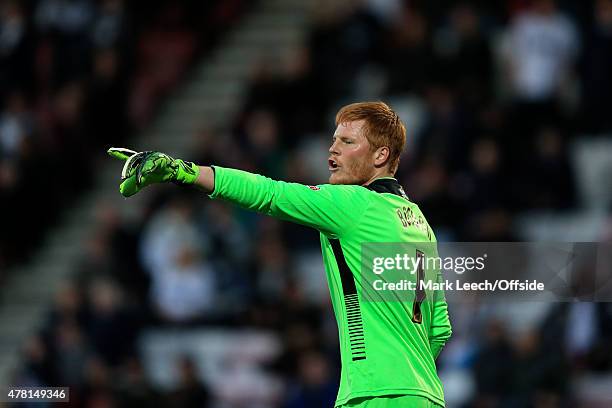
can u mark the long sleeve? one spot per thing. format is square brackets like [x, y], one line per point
[331, 209]
[440, 330]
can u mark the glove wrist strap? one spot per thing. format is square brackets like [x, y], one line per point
[186, 172]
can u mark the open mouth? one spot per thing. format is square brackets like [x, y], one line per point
[333, 165]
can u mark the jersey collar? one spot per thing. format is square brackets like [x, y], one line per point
[387, 185]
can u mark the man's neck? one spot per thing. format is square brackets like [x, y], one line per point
[378, 176]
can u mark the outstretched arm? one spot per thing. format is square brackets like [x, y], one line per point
[329, 209]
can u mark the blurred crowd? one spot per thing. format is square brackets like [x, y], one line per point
[493, 94]
[77, 76]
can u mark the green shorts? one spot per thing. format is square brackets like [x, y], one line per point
[391, 401]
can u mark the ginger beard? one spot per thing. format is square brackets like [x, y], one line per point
[351, 158]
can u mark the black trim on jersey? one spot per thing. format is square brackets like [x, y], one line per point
[351, 303]
[387, 185]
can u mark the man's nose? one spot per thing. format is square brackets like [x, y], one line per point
[334, 148]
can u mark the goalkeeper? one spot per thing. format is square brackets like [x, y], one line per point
[388, 349]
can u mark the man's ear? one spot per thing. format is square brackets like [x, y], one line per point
[381, 156]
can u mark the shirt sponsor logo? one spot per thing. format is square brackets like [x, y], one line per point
[315, 188]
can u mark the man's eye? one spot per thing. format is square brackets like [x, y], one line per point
[348, 141]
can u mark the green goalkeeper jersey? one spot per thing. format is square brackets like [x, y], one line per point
[385, 349]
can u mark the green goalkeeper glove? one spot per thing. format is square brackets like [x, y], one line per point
[145, 168]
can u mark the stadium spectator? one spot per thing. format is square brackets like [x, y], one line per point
[67, 24]
[190, 392]
[540, 57]
[316, 386]
[596, 63]
[183, 285]
[109, 326]
[16, 48]
[409, 40]
[109, 28]
[16, 128]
